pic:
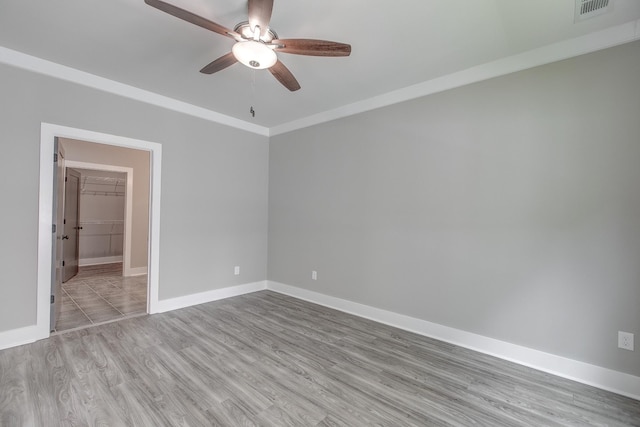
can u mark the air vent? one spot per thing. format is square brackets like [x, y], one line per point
[586, 9]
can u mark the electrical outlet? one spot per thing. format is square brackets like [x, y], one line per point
[314, 275]
[236, 270]
[625, 340]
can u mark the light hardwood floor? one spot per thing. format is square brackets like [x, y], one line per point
[272, 360]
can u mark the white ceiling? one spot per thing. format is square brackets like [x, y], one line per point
[395, 44]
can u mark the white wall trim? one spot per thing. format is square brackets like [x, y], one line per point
[52, 69]
[607, 379]
[16, 337]
[209, 296]
[128, 204]
[137, 271]
[82, 262]
[45, 214]
[592, 42]
[544, 55]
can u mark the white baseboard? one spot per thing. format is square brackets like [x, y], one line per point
[135, 271]
[606, 379]
[29, 334]
[20, 336]
[128, 272]
[99, 261]
[208, 296]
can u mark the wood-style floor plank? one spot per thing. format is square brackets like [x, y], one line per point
[265, 359]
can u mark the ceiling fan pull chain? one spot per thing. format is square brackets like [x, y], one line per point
[253, 92]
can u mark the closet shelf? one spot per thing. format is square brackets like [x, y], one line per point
[101, 221]
[102, 180]
[102, 193]
[102, 227]
[102, 186]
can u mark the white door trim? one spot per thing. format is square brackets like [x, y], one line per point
[45, 214]
[128, 205]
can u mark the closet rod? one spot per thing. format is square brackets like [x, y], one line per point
[102, 193]
[102, 221]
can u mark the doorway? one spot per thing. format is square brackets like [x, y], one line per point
[96, 288]
[46, 238]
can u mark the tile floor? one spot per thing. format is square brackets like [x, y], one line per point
[99, 294]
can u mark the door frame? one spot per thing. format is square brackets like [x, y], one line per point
[48, 133]
[128, 208]
[58, 220]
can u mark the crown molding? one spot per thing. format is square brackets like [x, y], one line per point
[52, 69]
[533, 58]
[577, 46]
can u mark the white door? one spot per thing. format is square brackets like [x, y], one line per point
[71, 237]
[58, 219]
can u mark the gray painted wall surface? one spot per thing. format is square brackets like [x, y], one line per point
[214, 188]
[509, 208]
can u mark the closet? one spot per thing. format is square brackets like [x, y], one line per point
[102, 200]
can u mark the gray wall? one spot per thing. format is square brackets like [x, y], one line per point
[214, 188]
[509, 208]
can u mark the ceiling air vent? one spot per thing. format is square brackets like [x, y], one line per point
[586, 9]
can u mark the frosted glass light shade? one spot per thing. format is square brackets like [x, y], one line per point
[254, 54]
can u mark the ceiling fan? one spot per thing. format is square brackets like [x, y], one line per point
[256, 44]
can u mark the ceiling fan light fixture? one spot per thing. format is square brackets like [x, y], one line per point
[254, 54]
[256, 43]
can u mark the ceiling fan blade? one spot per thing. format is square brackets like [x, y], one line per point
[260, 15]
[312, 47]
[192, 18]
[284, 76]
[219, 64]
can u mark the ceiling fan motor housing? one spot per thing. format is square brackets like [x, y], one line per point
[245, 30]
